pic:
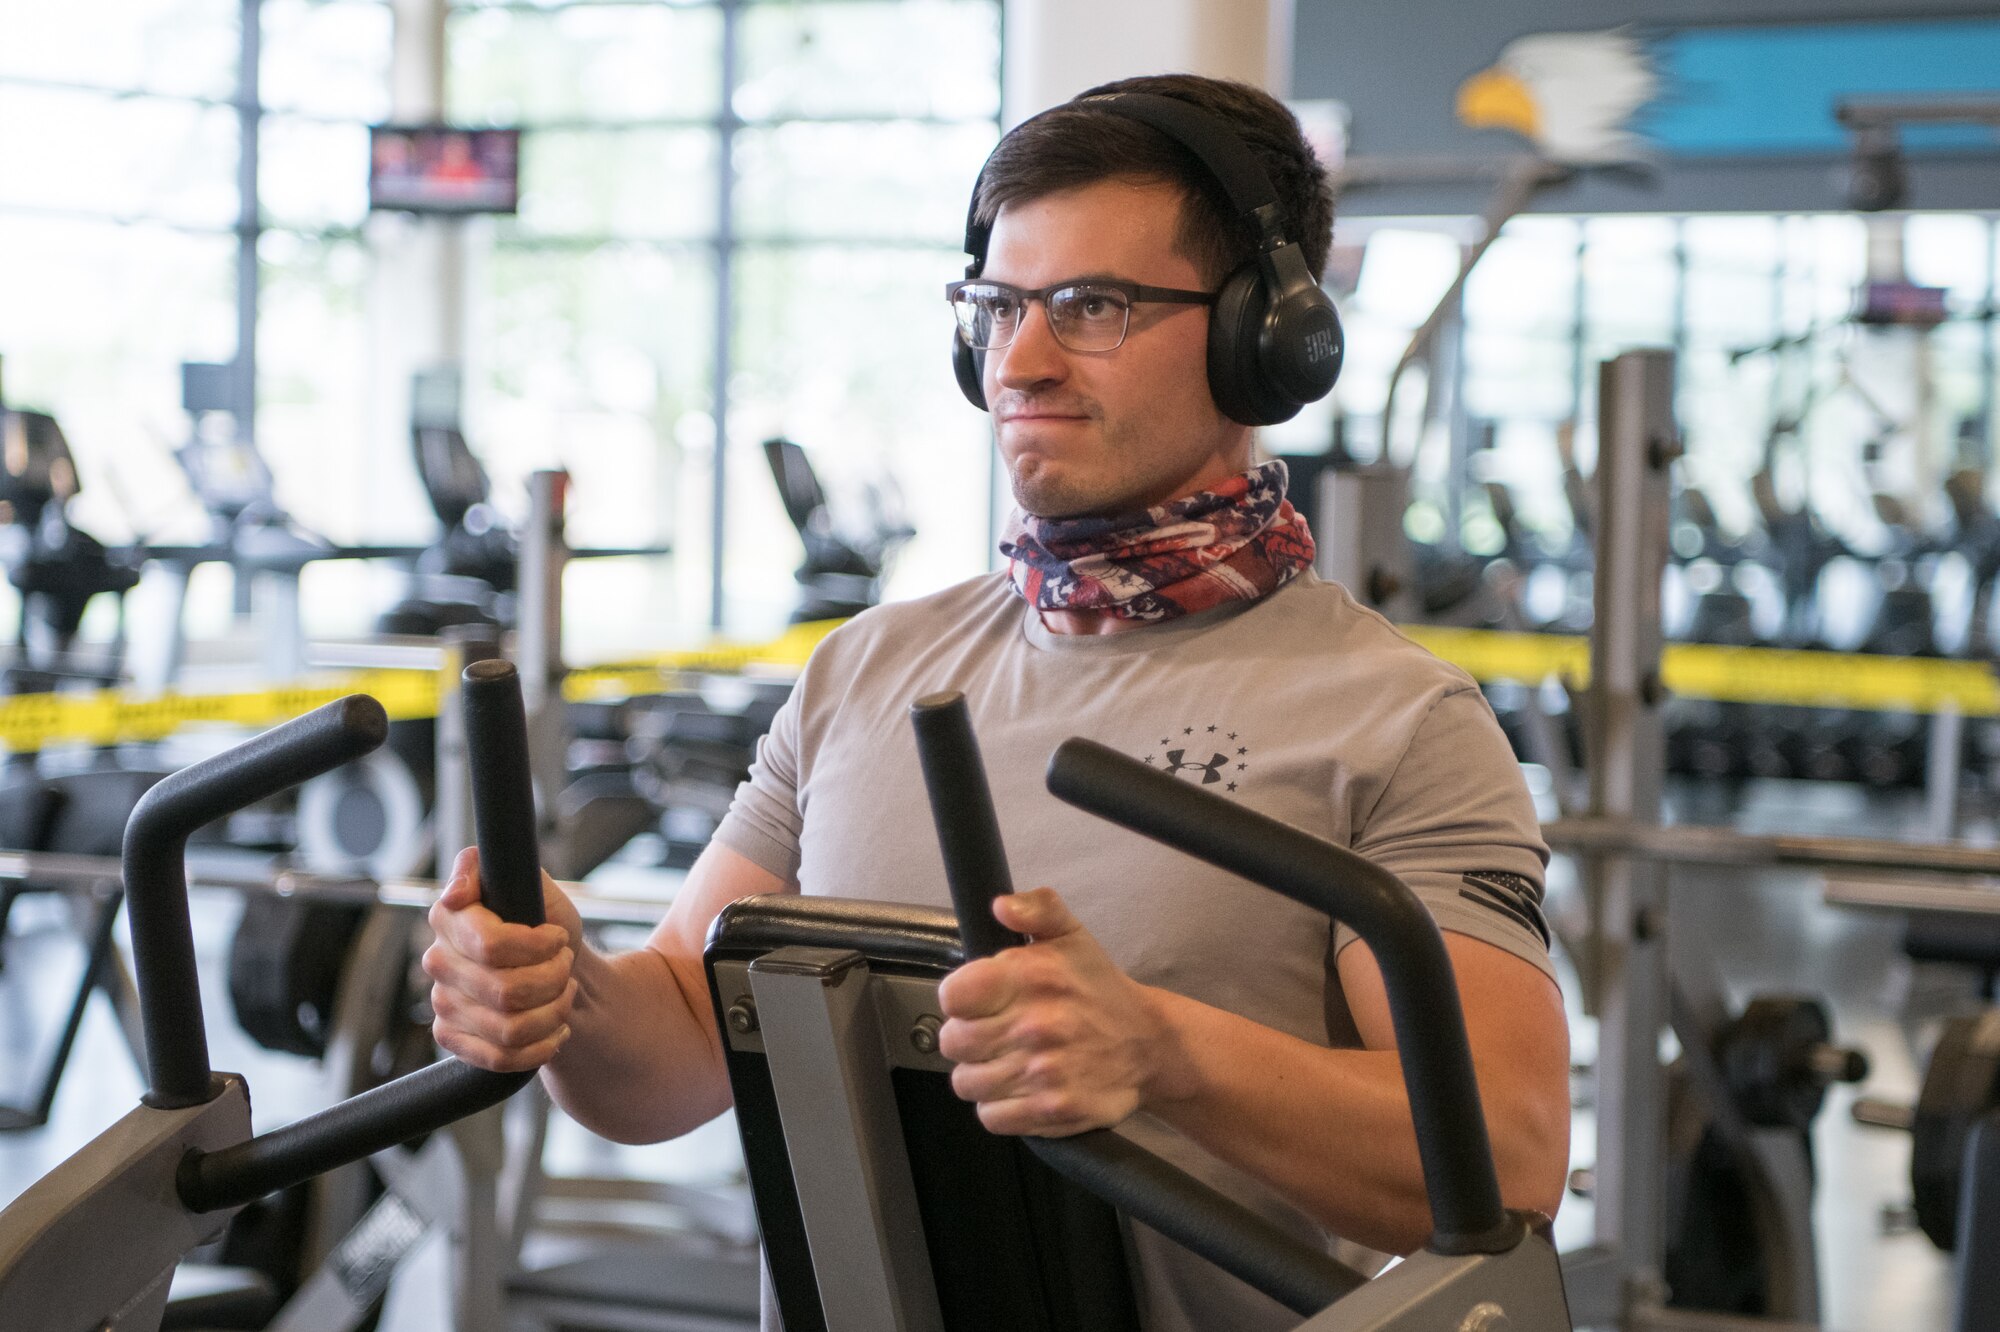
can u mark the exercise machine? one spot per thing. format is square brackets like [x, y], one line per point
[842, 574]
[93, 1244]
[885, 1204]
[79, 808]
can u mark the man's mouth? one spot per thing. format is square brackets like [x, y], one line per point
[1013, 407]
[1040, 414]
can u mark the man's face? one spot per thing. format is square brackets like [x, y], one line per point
[1105, 432]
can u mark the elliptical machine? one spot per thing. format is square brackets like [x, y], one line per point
[94, 1243]
[375, 815]
[842, 574]
[59, 570]
[468, 575]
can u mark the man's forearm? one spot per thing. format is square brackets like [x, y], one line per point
[1328, 1129]
[643, 1063]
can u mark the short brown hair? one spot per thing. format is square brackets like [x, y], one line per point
[1077, 144]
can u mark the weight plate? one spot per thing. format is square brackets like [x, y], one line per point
[1961, 1084]
[368, 817]
[1765, 1055]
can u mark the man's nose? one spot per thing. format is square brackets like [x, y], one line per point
[1034, 356]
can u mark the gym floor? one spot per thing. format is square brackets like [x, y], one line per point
[1770, 933]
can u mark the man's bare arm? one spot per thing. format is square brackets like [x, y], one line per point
[1053, 1039]
[626, 1042]
[1332, 1128]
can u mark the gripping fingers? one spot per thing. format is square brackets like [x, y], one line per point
[504, 989]
[481, 1053]
[516, 1032]
[985, 1082]
[1041, 1115]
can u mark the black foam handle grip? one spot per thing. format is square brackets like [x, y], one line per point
[975, 862]
[155, 866]
[503, 795]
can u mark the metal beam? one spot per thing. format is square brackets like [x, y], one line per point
[1627, 964]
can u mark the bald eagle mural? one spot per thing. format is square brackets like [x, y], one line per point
[1572, 94]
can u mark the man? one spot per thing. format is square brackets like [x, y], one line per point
[1159, 599]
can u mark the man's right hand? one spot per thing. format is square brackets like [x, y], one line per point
[502, 994]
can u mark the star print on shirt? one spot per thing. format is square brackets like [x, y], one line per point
[1198, 764]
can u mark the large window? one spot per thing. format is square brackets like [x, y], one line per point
[118, 203]
[736, 222]
[735, 213]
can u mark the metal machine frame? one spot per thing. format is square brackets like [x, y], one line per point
[829, 1017]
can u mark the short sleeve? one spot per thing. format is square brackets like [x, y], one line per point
[1455, 822]
[763, 823]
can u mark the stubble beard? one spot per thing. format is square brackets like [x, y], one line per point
[1058, 492]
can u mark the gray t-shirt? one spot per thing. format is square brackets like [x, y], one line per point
[1303, 705]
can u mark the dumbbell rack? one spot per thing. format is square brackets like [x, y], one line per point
[1632, 985]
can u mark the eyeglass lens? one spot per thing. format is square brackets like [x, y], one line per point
[1083, 317]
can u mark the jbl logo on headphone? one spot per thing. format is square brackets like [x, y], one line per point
[1319, 346]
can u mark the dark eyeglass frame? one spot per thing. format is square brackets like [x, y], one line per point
[1134, 293]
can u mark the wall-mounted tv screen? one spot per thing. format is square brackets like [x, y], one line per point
[438, 169]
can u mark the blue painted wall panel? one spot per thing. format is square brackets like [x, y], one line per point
[1772, 90]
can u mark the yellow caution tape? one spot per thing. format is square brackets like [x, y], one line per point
[1736, 675]
[1831, 680]
[111, 716]
[1488, 655]
[652, 674]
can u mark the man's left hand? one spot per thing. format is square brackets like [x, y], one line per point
[1051, 1038]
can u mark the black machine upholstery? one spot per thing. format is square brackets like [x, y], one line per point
[1013, 1246]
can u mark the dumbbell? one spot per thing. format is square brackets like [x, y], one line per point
[1777, 1058]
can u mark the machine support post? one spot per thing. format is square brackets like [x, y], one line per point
[538, 653]
[1637, 443]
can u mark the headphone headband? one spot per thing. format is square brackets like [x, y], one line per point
[1224, 155]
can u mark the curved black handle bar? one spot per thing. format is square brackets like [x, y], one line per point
[155, 852]
[975, 862]
[432, 1097]
[1137, 1182]
[1459, 1176]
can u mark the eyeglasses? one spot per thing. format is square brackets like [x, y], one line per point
[1089, 315]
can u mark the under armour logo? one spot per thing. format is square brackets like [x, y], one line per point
[1210, 771]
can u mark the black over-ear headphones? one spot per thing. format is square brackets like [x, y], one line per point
[1274, 339]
